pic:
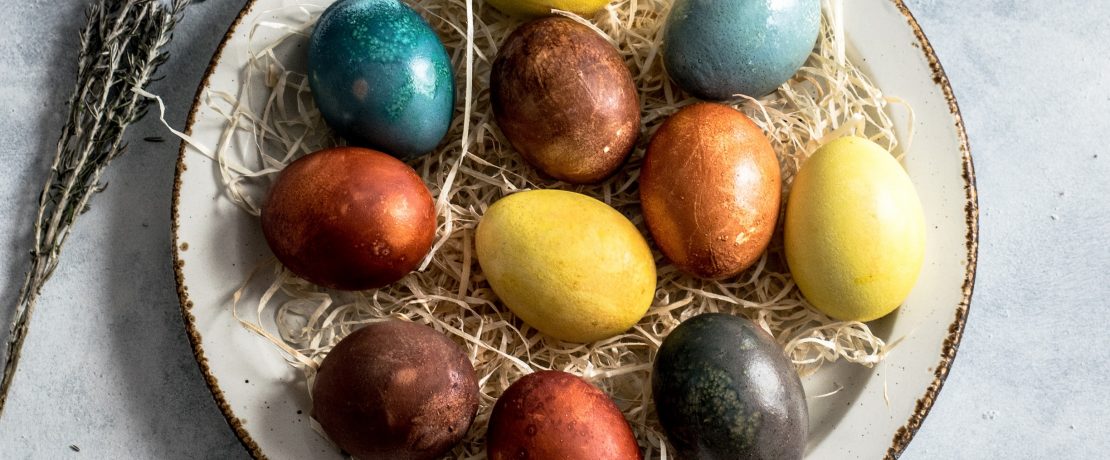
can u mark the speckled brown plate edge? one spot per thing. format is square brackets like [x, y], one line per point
[901, 438]
[904, 434]
[178, 263]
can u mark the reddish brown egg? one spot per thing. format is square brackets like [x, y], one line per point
[349, 218]
[395, 390]
[710, 188]
[565, 100]
[555, 415]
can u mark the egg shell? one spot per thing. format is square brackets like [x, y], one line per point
[564, 98]
[724, 389]
[556, 415]
[854, 230]
[349, 218]
[532, 8]
[381, 77]
[710, 187]
[717, 49]
[395, 390]
[567, 264]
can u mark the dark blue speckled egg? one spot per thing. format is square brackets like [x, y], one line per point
[715, 49]
[723, 388]
[381, 77]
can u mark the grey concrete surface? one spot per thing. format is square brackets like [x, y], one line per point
[108, 369]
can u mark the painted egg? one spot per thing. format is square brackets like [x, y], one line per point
[381, 77]
[854, 230]
[710, 188]
[395, 389]
[724, 389]
[717, 49]
[349, 218]
[555, 415]
[567, 264]
[531, 8]
[565, 100]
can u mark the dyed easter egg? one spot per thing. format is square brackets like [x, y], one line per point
[565, 100]
[854, 230]
[724, 389]
[349, 218]
[710, 189]
[396, 390]
[531, 8]
[381, 77]
[567, 264]
[555, 415]
[717, 49]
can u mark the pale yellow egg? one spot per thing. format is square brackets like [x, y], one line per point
[854, 231]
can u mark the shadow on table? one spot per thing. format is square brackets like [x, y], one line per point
[165, 391]
[45, 132]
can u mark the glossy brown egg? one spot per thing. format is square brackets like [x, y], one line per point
[555, 415]
[349, 218]
[565, 100]
[710, 189]
[396, 390]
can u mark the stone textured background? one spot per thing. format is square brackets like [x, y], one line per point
[108, 368]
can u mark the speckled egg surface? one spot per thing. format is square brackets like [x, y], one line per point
[724, 389]
[715, 49]
[381, 77]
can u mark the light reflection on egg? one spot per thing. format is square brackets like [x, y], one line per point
[710, 188]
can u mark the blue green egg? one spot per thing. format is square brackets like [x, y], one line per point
[715, 49]
[381, 77]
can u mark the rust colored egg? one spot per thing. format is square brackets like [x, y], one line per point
[349, 218]
[565, 100]
[555, 415]
[710, 188]
[395, 390]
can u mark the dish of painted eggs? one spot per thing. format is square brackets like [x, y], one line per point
[571, 229]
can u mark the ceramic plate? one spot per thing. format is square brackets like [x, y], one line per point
[265, 400]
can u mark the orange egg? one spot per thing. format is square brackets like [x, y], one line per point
[349, 218]
[556, 415]
[710, 189]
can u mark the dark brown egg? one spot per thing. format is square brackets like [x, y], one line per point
[710, 187]
[555, 415]
[565, 100]
[396, 390]
[349, 218]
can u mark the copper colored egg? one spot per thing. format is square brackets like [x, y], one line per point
[555, 415]
[710, 188]
[349, 218]
[396, 390]
[565, 100]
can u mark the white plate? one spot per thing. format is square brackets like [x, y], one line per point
[265, 401]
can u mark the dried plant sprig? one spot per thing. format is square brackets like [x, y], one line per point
[122, 45]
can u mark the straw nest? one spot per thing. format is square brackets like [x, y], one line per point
[271, 120]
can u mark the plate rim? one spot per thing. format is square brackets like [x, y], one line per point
[902, 436]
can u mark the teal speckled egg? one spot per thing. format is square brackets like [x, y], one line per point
[724, 389]
[381, 77]
[715, 49]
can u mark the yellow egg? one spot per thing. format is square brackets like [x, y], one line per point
[854, 231]
[568, 265]
[531, 8]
